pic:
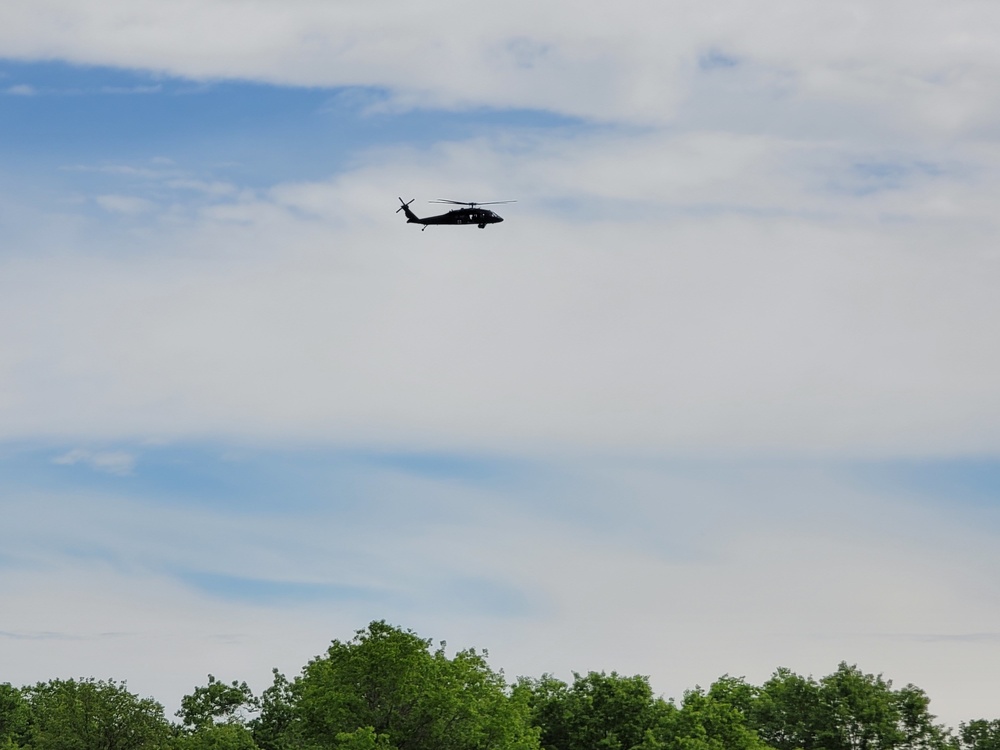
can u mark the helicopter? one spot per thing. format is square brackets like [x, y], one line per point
[470, 215]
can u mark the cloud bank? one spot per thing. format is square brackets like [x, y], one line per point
[925, 65]
[728, 304]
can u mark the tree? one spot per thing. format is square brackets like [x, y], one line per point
[389, 680]
[14, 714]
[786, 714]
[846, 710]
[216, 717]
[736, 692]
[218, 702]
[916, 722]
[225, 736]
[705, 722]
[363, 738]
[547, 699]
[979, 734]
[863, 712]
[277, 727]
[90, 714]
[599, 711]
[612, 712]
[859, 711]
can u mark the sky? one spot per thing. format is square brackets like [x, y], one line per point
[720, 394]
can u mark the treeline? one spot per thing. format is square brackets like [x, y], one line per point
[389, 689]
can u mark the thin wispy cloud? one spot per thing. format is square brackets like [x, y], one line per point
[951, 637]
[30, 90]
[124, 204]
[56, 636]
[201, 186]
[124, 170]
[131, 89]
[119, 463]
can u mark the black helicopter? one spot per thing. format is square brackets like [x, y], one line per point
[471, 215]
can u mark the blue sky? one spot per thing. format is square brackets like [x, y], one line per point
[69, 113]
[718, 396]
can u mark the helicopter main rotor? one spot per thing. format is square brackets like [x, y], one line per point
[470, 204]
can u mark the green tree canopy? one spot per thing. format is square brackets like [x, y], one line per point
[787, 711]
[846, 710]
[224, 736]
[598, 711]
[611, 712]
[90, 714]
[707, 722]
[14, 716]
[980, 734]
[389, 689]
[218, 702]
[389, 681]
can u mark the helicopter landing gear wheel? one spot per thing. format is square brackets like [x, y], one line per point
[482, 226]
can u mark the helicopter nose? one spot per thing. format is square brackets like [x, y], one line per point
[499, 219]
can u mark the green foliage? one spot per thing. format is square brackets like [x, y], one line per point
[916, 723]
[859, 711]
[363, 738]
[277, 727]
[389, 681]
[706, 722]
[621, 713]
[787, 712]
[217, 702]
[599, 711]
[548, 702]
[14, 715]
[737, 692]
[979, 734]
[846, 710]
[90, 714]
[210, 736]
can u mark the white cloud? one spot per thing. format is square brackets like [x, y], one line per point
[125, 170]
[21, 90]
[215, 188]
[124, 204]
[131, 89]
[110, 462]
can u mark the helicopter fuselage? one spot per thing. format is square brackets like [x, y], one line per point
[478, 216]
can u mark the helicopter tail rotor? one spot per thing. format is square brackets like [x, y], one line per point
[411, 218]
